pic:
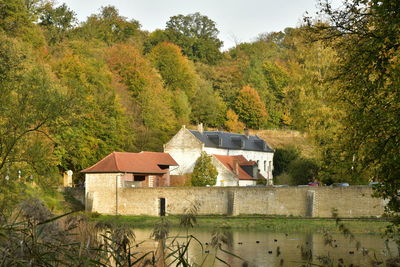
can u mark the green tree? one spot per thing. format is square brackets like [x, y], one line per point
[17, 19]
[226, 78]
[250, 108]
[207, 106]
[31, 101]
[282, 158]
[98, 125]
[303, 171]
[204, 172]
[365, 34]
[181, 107]
[176, 70]
[110, 27]
[196, 34]
[56, 21]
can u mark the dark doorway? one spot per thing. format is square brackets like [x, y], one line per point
[162, 206]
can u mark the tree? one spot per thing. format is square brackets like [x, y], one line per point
[261, 63]
[181, 107]
[303, 171]
[204, 172]
[17, 19]
[226, 77]
[56, 21]
[196, 34]
[368, 75]
[250, 108]
[98, 125]
[207, 106]
[232, 123]
[31, 102]
[109, 27]
[153, 103]
[282, 158]
[176, 70]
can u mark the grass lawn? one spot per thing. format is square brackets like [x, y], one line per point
[273, 224]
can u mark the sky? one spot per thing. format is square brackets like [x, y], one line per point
[237, 20]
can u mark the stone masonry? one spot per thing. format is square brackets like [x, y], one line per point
[103, 196]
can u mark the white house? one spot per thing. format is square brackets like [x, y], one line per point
[186, 146]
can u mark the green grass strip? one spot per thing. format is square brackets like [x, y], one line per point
[257, 223]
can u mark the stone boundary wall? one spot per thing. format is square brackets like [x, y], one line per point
[351, 202]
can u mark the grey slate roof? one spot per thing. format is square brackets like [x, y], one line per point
[232, 141]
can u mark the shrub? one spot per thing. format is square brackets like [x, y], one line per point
[204, 172]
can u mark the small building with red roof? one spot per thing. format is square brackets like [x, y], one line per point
[107, 180]
[144, 169]
[235, 171]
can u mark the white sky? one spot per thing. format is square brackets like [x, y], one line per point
[237, 20]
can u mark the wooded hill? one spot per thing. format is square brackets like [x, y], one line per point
[72, 92]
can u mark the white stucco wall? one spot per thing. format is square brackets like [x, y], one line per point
[185, 149]
[247, 182]
[225, 177]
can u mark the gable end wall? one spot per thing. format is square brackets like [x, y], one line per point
[184, 148]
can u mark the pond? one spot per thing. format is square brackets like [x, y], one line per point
[261, 248]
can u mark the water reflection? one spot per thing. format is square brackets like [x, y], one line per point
[261, 248]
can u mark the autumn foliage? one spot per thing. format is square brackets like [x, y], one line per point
[250, 108]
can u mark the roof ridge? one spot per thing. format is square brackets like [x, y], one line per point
[217, 132]
[223, 132]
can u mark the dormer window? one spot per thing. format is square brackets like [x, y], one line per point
[260, 144]
[237, 141]
[215, 139]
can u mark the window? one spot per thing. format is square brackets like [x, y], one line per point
[139, 178]
[265, 165]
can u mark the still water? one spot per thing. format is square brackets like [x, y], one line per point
[261, 248]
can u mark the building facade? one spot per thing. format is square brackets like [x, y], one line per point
[186, 146]
[120, 170]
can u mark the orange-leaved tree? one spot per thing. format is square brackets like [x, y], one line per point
[250, 108]
[232, 122]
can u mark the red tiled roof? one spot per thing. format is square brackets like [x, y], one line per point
[229, 162]
[248, 163]
[144, 162]
[161, 158]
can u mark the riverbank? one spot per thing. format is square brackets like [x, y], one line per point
[273, 224]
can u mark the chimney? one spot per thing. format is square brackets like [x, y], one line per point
[236, 167]
[200, 128]
[256, 170]
[246, 132]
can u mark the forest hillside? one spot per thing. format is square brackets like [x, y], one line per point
[72, 92]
